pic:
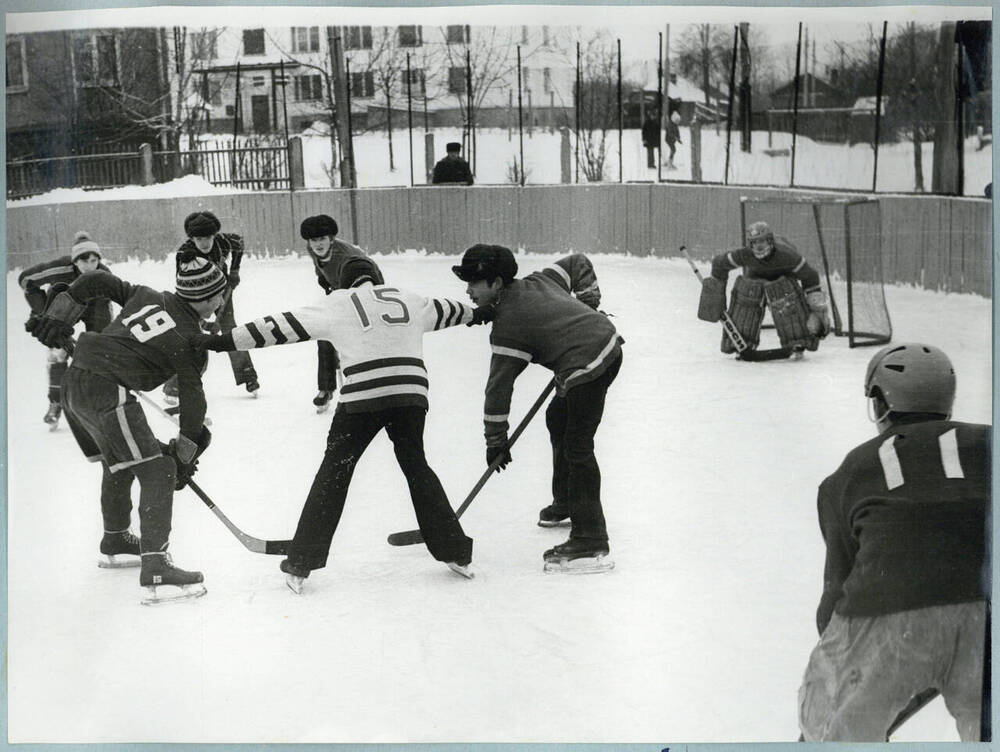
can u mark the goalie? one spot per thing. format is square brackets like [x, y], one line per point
[775, 275]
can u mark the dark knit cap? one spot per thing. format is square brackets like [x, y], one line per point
[487, 262]
[198, 278]
[318, 227]
[201, 224]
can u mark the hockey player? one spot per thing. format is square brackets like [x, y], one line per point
[225, 250]
[84, 257]
[539, 319]
[378, 331]
[906, 578]
[332, 260]
[775, 275]
[152, 339]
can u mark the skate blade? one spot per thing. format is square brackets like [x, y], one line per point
[459, 569]
[322, 408]
[560, 523]
[586, 565]
[170, 401]
[295, 584]
[154, 594]
[53, 427]
[118, 561]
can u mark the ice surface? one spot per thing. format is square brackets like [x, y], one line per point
[700, 634]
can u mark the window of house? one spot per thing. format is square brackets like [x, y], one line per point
[211, 91]
[410, 36]
[305, 39]
[525, 79]
[358, 38]
[457, 35]
[308, 88]
[253, 41]
[547, 80]
[95, 57]
[17, 68]
[456, 80]
[204, 45]
[417, 82]
[363, 84]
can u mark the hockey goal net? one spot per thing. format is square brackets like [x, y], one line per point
[842, 240]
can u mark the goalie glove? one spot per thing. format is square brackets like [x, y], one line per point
[712, 303]
[818, 322]
[55, 327]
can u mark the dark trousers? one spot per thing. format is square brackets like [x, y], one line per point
[572, 421]
[350, 434]
[329, 362]
[243, 370]
[650, 156]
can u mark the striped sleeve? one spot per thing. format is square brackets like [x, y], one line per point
[440, 313]
[285, 328]
[724, 263]
[574, 274]
[505, 366]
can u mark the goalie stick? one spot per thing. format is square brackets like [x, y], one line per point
[409, 537]
[257, 545]
[744, 351]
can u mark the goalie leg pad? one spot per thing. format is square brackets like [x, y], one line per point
[746, 309]
[790, 314]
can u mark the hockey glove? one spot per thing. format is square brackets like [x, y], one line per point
[818, 322]
[499, 454]
[56, 325]
[712, 303]
[32, 323]
[185, 453]
[234, 279]
[591, 296]
[482, 315]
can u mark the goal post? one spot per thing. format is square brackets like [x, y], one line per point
[842, 239]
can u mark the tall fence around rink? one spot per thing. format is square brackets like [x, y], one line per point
[934, 242]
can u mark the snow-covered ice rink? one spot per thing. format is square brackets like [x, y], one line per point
[700, 634]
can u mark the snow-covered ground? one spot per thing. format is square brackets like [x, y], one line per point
[816, 164]
[700, 634]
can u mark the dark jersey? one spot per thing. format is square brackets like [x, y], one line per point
[452, 170]
[904, 520]
[62, 270]
[344, 257]
[226, 251]
[539, 320]
[784, 261]
[146, 344]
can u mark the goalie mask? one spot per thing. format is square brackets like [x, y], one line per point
[760, 239]
[910, 378]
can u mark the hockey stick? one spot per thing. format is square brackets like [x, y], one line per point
[257, 545]
[727, 323]
[409, 537]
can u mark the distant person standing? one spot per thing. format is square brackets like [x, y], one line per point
[59, 273]
[224, 249]
[452, 169]
[672, 137]
[651, 139]
[338, 264]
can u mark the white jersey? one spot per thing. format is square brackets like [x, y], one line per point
[378, 331]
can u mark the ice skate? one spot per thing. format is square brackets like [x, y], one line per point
[462, 569]
[170, 395]
[553, 516]
[119, 550]
[322, 400]
[253, 387]
[162, 582]
[295, 577]
[578, 556]
[797, 352]
[52, 416]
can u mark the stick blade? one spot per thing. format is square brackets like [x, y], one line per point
[407, 538]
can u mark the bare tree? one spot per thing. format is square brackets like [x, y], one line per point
[702, 54]
[598, 102]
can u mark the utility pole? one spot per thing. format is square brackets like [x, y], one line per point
[340, 103]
